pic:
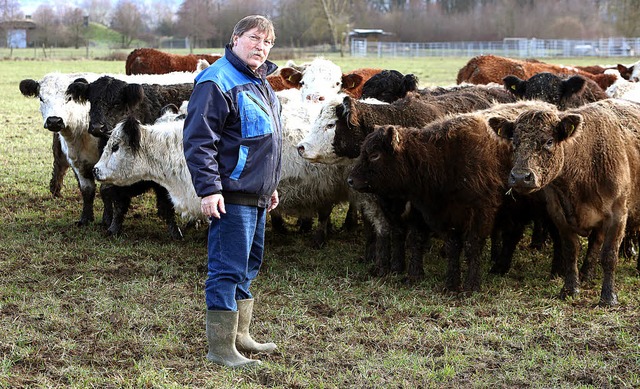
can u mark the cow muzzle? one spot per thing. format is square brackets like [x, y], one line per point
[54, 123]
[523, 179]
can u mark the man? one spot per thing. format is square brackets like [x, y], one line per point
[232, 144]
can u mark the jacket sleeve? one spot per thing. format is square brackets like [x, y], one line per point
[206, 115]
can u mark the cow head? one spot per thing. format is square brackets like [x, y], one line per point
[57, 111]
[378, 165]
[389, 86]
[321, 80]
[538, 138]
[121, 155]
[317, 145]
[545, 87]
[111, 100]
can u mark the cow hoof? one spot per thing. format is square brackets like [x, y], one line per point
[498, 270]
[609, 301]
[84, 222]
[568, 292]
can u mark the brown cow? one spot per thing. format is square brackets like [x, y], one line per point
[453, 171]
[484, 69]
[152, 61]
[586, 162]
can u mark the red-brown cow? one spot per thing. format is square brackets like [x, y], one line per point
[586, 162]
[152, 61]
[485, 69]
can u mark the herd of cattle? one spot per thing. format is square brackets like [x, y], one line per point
[515, 143]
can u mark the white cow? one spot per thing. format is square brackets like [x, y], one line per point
[71, 121]
[155, 152]
[624, 89]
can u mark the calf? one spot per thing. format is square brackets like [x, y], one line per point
[560, 91]
[71, 120]
[586, 162]
[337, 135]
[453, 171]
[112, 100]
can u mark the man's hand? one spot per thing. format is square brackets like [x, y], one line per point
[274, 201]
[213, 205]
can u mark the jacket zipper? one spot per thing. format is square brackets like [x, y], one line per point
[258, 104]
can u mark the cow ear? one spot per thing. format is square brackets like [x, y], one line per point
[291, 77]
[515, 85]
[391, 138]
[131, 128]
[573, 85]
[348, 111]
[351, 81]
[132, 95]
[624, 71]
[568, 126]
[29, 88]
[502, 127]
[78, 91]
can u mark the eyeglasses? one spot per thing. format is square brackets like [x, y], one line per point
[256, 39]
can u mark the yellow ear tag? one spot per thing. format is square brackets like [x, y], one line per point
[500, 131]
[397, 138]
[513, 87]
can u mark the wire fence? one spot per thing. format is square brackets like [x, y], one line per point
[509, 47]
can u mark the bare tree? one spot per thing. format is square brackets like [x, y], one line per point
[98, 10]
[48, 25]
[9, 10]
[196, 20]
[127, 20]
[73, 20]
[337, 14]
[625, 15]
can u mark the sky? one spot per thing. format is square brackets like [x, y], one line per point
[29, 6]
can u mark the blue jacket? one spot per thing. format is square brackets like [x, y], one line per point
[232, 132]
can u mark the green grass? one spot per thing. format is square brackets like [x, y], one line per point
[78, 309]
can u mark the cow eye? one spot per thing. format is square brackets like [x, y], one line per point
[301, 83]
[374, 157]
[549, 144]
[115, 148]
[329, 126]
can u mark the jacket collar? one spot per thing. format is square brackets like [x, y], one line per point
[263, 71]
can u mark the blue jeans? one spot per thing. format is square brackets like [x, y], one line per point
[236, 247]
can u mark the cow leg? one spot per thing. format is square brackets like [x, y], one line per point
[351, 218]
[452, 248]
[538, 234]
[594, 248]
[417, 238]
[370, 241]
[609, 259]
[121, 204]
[167, 212]
[473, 250]
[60, 166]
[509, 241]
[277, 222]
[557, 263]
[324, 227]
[570, 245]
[398, 237]
[383, 253]
[106, 193]
[305, 224]
[88, 191]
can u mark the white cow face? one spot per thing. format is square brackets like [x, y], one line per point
[317, 145]
[59, 112]
[321, 80]
[121, 160]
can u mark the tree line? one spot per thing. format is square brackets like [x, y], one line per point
[303, 23]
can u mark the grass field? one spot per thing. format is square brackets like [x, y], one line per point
[78, 309]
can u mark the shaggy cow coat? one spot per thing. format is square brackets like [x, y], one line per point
[586, 162]
[436, 168]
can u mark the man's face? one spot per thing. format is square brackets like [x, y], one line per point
[252, 47]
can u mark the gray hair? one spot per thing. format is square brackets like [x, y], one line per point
[254, 21]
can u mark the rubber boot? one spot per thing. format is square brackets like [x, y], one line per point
[244, 342]
[222, 327]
